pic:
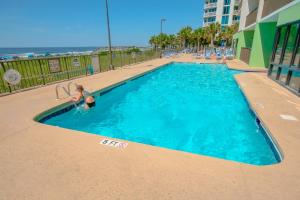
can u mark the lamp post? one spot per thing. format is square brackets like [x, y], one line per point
[161, 32]
[109, 37]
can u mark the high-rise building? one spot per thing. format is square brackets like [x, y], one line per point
[269, 36]
[226, 12]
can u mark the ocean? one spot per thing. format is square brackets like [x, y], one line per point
[43, 50]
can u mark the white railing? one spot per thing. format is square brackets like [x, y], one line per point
[208, 23]
[210, 5]
[234, 21]
[237, 2]
[210, 14]
[236, 12]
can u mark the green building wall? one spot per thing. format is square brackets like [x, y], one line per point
[244, 40]
[289, 15]
[261, 39]
[262, 44]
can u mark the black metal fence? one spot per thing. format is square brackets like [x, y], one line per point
[36, 72]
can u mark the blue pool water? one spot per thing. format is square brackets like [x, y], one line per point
[196, 108]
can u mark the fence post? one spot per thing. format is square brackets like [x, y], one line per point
[129, 59]
[4, 72]
[121, 62]
[42, 72]
[64, 59]
[109, 68]
[99, 58]
[86, 66]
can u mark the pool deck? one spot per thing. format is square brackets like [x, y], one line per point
[46, 162]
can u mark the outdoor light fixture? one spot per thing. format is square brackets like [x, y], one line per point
[109, 37]
[161, 32]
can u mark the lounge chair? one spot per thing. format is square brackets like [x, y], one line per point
[199, 56]
[219, 55]
[194, 55]
[207, 55]
[229, 55]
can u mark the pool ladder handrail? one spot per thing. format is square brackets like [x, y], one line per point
[66, 90]
[69, 87]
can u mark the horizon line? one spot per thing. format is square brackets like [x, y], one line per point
[76, 46]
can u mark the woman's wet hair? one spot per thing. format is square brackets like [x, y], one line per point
[79, 88]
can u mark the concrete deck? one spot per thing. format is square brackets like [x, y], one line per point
[45, 162]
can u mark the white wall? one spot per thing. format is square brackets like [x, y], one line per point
[219, 10]
[243, 13]
[260, 9]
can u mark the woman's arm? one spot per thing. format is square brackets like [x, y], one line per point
[77, 98]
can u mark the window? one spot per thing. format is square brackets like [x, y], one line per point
[283, 75]
[235, 17]
[211, 10]
[295, 81]
[290, 45]
[285, 67]
[211, 19]
[297, 57]
[225, 19]
[279, 45]
[211, 1]
[226, 10]
[226, 2]
[274, 70]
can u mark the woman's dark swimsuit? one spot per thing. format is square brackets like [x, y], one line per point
[90, 105]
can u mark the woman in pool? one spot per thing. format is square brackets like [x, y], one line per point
[83, 94]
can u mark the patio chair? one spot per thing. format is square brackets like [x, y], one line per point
[218, 55]
[207, 55]
[229, 55]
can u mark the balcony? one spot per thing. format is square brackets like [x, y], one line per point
[208, 23]
[236, 12]
[237, 2]
[251, 17]
[271, 5]
[210, 14]
[210, 5]
[234, 21]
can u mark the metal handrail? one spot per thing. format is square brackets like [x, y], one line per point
[64, 89]
[69, 86]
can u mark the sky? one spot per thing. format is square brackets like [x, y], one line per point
[79, 23]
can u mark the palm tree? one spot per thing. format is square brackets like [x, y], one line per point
[213, 30]
[172, 41]
[154, 41]
[199, 35]
[185, 35]
[163, 40]
[228, 32]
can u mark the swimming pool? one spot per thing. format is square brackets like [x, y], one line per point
[196, 108]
